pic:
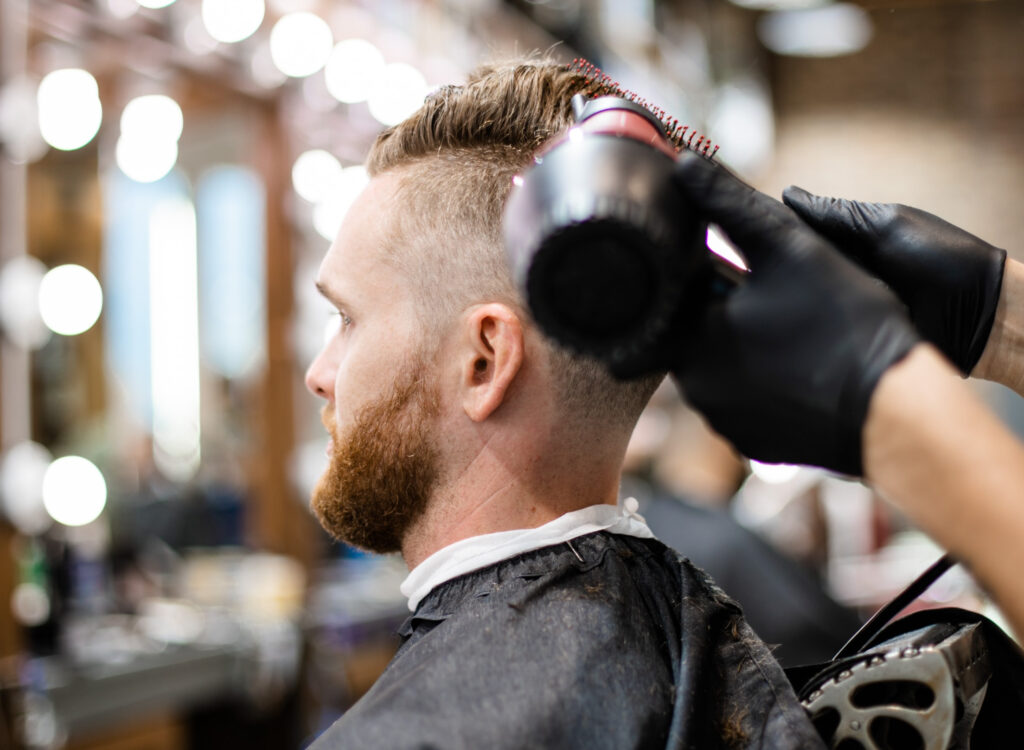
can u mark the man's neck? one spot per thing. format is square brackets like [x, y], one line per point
[501, 489]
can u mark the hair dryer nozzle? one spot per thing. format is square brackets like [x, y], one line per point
[601, 243]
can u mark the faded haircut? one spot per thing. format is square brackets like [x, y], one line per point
[457, 156]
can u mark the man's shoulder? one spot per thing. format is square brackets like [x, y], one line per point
[572, 646]
[599, 571]
[600, 582]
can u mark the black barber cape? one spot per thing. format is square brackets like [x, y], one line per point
[608, 641]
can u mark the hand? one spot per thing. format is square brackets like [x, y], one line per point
[784, 365]
[948, 279]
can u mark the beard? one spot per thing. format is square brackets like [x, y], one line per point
[384, 467]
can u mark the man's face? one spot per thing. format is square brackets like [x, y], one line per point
[380, 383]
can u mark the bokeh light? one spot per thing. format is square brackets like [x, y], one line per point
[174, 339]
[743, 122]
[332, 207]
[155, 4]
[313, 174]
[20, 279]
[262, 68]
[196, 38]
[144, 160]
[396, 93]
[70, 299]
[30, 604]
[154, 116]
[19, 120]
[21, 486]
[352, 68]
[232, 21]
[121, 8]
[148, 146]
[74, 491]
[828, 31]
[300, 44]
[69, 108]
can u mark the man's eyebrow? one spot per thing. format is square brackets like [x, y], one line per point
[331, 296]
[324, 290]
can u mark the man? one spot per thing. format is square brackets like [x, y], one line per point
[543, 614]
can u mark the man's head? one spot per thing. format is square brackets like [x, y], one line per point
[436, 352]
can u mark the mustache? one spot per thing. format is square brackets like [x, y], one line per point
[328, 421]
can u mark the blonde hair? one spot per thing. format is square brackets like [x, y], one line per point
[457, 156]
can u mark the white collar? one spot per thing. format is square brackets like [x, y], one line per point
[467, 555]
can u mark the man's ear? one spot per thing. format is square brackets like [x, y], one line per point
[491, 353]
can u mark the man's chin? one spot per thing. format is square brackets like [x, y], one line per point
[372, 521]
[378, 541]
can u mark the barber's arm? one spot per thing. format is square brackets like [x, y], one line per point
[962, 293]
[935, 450]
[810, 360]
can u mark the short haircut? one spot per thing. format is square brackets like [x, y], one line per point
[457, 156]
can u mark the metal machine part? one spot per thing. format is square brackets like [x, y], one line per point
[920, 691]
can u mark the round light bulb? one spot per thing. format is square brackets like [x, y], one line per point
[70, 112]
[397, 92]
[152, 117]
[143, 160]
[300, 44]
[74, 491]
[314, 172]
[70, 299]
[351, 70]
[232, 21]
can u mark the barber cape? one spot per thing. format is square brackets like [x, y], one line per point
[605, 640]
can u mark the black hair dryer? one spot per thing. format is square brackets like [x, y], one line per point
[602, 245]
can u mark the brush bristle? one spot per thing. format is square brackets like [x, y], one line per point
[601, 84]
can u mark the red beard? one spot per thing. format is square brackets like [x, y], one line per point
[384, 468]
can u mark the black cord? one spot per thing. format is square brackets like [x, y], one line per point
[867, 632]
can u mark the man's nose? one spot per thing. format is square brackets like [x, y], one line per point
[319, 378]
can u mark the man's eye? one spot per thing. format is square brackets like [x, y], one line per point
[336, 322]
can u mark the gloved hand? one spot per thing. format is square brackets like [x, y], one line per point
[784, 365]
[949, 280]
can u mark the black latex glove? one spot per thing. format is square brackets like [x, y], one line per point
[949, 280]
[785, 364]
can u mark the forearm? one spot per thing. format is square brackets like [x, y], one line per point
[1003, 358]
[933, 449]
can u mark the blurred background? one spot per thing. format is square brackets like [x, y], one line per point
[171, 173]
